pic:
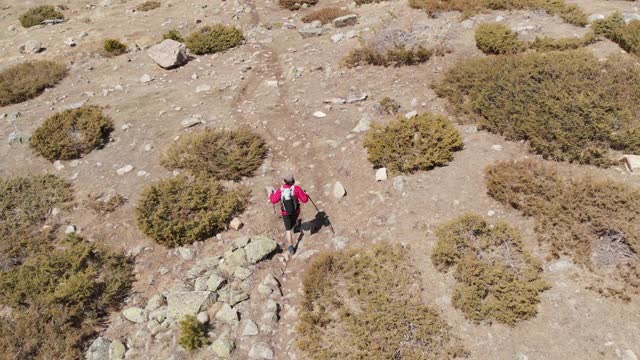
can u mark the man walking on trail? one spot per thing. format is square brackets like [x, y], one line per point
[289, 196]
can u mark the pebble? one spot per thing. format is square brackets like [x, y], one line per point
[58, 165]
[411, 114]
[496, 147]
[125, 169]
[319, 114]
[381, 174]
[145, 78]
[202, 88]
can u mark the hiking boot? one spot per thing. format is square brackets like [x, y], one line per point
[292, 250]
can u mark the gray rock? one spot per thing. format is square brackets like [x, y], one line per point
[117, 350]
[203, 317]
[214, 282]
[19, 137]
[363, 125]
[632, 162]
[310, 32]
[145, 78]
[340, 242]
[125, 169]
[136, 314]
[467, 24]
[520, 356]
[236, 224]
[236, 257]
[232, 296]
[223, 347]
[339, 190]
[261, 351]
[155, 302]
[259, 248]
[381, 174]
[336, 38]
[190, 122]
[241, 241]
[181, 303]
[70, 42]
[203, 88]
[398, 183]
[594, 17]
[629, 355]
[186, 253]
[470, 129]
[201, 284]
[250, 329]
[31, 47]
[356, 98]
[227, 315]
[99, 349]
[347, 20]
[169, 54]
[242, 273]
[560, 266]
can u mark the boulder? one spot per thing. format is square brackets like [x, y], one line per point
[347, 20]
[31, 47]
[136, 314]
[235, 258]
[227, 315]
[99, 349]
[169, 54]
[261, 351]
[259, 248]
[223, 347]
[181, 303]
[117, 350]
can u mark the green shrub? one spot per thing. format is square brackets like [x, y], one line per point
[389, 106]
[70, 134]
[27, 80]
[609, 26]
[213, 39]
[366, 305]
[59, 297]
[398, 56]
[173, 34]
[220, 154]
[36, 15]
[496, 38]
[499, 280]
[296, 4]
[148, 6]
[113, 47]
[408, 145]
[592, 109]
[628, 37]
[180, 211]
[193, 334]
[568, 12]
[597, 223]
[325, 15]
[545, 43]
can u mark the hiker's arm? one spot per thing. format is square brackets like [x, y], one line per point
[301, 195]
[275, 196]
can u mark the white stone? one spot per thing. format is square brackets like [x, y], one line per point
[236, 224]
[58, 165]
[202, 88]
[214, 282]
[491, 213]
[250, 329]
[319, 114]
[336, 38]
[189, 122]
[629, 355]
[71, 229]
[339, 190]
[168, 54]
[261, 351]
[411, 114]
[203, 317]
[125, 169]
[70, 42]
[381, 174]
[560, 266]
[145, 78]
[31, 47]
[632, 162]
[227, 315]
[500, 18]
[136, 314]
[117, 350]
[186, 253]
[496, 147]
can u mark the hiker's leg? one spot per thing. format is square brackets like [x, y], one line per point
[289, 237]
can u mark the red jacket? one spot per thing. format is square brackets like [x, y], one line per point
[297, 190]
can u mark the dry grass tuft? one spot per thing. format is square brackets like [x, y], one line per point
[36, 15]
[214, 38]
[366, 305]
[325, 15]
[148, 5]
[113, 47]
[27, 80]
[296, 4]
[499, 280]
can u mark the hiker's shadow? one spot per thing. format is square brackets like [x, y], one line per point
[313, 226]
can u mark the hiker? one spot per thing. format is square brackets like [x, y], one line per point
[289, 196]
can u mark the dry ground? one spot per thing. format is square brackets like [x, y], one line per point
[573, 323]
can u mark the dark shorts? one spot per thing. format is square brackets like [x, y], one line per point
[290, 221]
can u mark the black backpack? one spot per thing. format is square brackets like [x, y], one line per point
[289, 200]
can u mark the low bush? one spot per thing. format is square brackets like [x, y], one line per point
[597, 223]
[388, 106]
[570, 13]
[545, 43]
[499, 280]
[213, 39]
[113, 47]
[148, 5]
[608, 26]
[36, 15]
[220, 154]
[105, 204]
[361, 304]
[496, 38]
[27, 80]
[296, 4]
[193, 334]
[398, 56]
[593, 107]
[70, 134]
[59, 297]
[173, 34]
[615, 29]
[180, 211]
[325, 15]
[408, 145]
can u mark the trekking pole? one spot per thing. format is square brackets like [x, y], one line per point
[318, 210]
